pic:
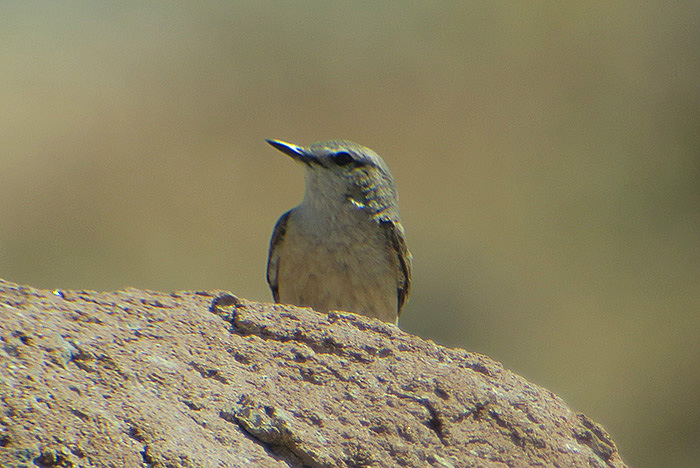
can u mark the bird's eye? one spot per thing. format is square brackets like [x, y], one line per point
[342, 158]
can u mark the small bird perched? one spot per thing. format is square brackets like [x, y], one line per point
[343, 247]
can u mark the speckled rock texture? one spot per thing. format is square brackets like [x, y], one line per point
[202, 379]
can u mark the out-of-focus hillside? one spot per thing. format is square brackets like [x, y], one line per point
[548, 161]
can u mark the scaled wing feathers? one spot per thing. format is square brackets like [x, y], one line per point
[273, 259]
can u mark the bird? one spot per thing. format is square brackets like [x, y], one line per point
[343, 247]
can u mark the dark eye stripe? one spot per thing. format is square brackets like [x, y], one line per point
[342, 158]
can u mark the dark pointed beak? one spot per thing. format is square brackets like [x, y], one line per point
[293, 151]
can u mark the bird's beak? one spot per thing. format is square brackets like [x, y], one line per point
[293, 151]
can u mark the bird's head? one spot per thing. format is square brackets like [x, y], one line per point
[341, 171]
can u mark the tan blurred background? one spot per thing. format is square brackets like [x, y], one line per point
[547, 156]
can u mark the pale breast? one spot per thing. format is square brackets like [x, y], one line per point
[358, 275]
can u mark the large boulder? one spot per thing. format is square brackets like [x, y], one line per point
[202, 379]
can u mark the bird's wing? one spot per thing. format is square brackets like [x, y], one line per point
[397, 243]
[273, 259]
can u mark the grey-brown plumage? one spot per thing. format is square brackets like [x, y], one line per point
[343, 247]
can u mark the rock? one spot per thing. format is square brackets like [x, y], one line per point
[203, 379]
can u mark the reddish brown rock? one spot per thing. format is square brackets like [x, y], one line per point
[141, 378]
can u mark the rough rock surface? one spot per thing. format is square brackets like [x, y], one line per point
[200, 379]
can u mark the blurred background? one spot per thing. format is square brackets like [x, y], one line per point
[547, 156]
